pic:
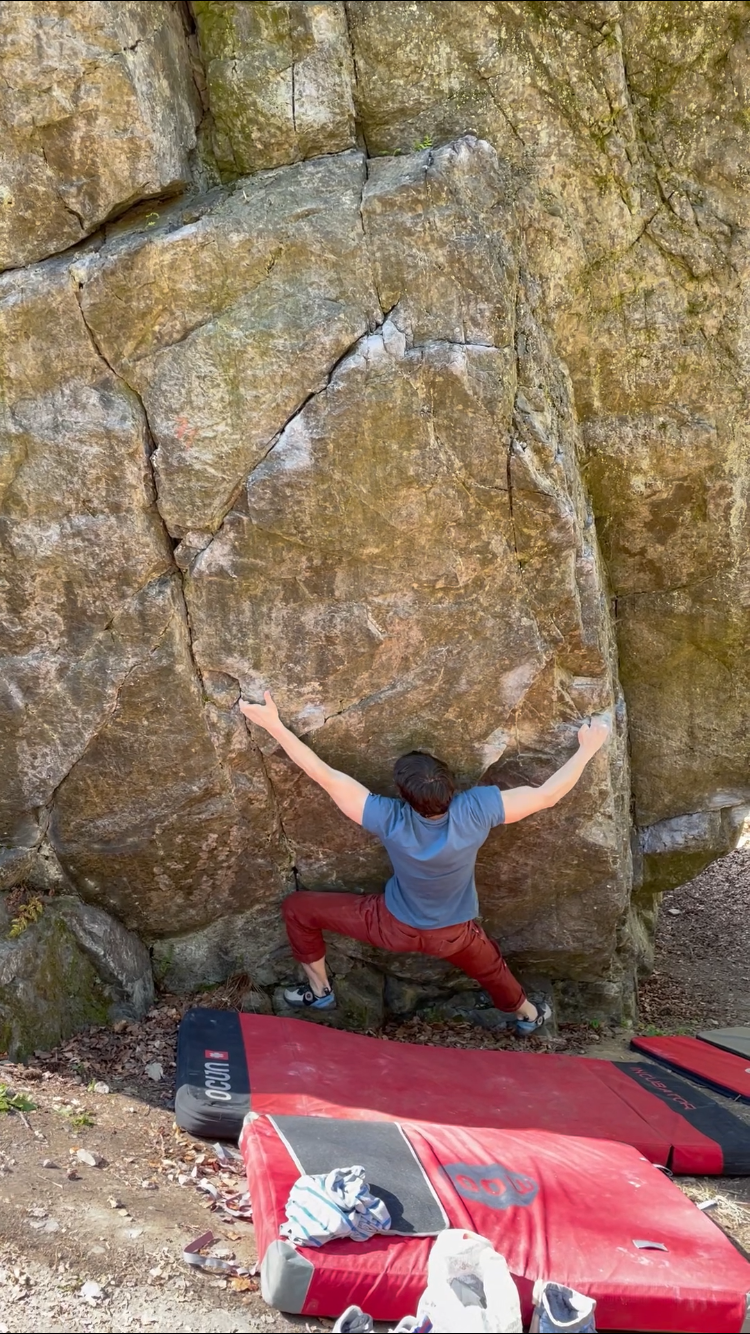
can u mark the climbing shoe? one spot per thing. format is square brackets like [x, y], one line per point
[557, 1307]
[303, 998]
[525, 1027]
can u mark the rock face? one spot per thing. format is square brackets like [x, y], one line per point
[279, 80]
[99, 111]
[424, 403]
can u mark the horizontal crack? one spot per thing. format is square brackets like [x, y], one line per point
[677, 588]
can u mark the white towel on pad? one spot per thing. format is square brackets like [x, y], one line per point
[337, 1204]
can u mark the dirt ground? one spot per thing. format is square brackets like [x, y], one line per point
[121, 1225]
[702, 972]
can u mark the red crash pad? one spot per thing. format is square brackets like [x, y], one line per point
[226, 1060]
[555, 1206]
[720, 1069]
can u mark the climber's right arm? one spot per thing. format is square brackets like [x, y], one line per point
[349, 795]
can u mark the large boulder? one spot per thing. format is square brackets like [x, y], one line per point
[65, 966]
[364, 449]
[433, 416]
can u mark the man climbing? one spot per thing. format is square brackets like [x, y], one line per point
[432, 835]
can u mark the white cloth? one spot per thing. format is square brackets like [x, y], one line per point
[463, 1269]
[338, 1204]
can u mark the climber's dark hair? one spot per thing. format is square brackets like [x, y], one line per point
[426, 783]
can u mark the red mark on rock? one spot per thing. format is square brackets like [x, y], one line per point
[185, 432]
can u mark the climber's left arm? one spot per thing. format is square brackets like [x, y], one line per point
[519, 802]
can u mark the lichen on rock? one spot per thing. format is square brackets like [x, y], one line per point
[70, 967]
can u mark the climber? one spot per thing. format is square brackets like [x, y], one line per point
[432, 835]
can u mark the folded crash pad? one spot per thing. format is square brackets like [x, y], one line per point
[594, 1215]
[297, 1068]
[720, 1069]
[213, 1076]
[736, 1040]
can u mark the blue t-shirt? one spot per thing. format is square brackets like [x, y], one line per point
[433, 860]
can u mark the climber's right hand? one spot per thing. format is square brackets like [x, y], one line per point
[264, 715]
[594, 732]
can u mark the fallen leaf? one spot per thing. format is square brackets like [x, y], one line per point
[155, 1071]
[244, 1284]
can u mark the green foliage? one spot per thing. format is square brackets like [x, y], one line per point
[425, 143]
[28, 914]
[15, 1102]
[77, 1117]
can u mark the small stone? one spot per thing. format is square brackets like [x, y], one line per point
[155, 1071]
[47, 1162]
[90, 1159]
[675, 912]
[101, 1087]
[148, 1184]
[91, 1291]
[72, 1175]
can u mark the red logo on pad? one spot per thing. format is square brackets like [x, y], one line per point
[217, 1055]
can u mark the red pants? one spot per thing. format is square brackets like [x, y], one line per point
[365, 917]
